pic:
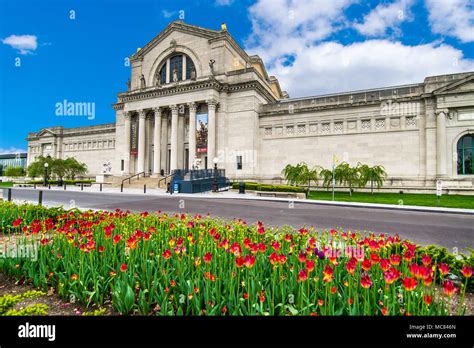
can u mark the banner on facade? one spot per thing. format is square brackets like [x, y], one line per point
[201, 133]
[134, 139]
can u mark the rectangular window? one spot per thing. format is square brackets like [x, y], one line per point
[239, 162]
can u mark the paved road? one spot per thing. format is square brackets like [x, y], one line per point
[445, 229]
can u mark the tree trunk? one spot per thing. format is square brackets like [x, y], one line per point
[372, 187]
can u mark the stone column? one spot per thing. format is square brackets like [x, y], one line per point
[211, 132]
[422, 136]
[174, 137]
[157, 142]
[441, 142]
[192, 134]
[168, 72]
[127, 129]
[141, 141]
[164, 143]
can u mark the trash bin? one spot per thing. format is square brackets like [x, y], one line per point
[162, 172]
[241, 187]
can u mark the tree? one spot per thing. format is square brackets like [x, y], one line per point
[301, 174]
[14, 171]
[348, 175]
[326, 176]
[36, 169]
[375, 174]
[59, 168]
[74, 168]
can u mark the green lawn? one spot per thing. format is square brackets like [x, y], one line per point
[6, 184]
[449, 201]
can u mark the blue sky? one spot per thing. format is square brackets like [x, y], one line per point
[312, 46]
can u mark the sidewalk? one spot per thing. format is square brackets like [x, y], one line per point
[248, 196]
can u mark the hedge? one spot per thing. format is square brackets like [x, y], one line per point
[67, 182]
[270, 188]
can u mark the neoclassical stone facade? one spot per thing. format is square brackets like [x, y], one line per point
[419, 132]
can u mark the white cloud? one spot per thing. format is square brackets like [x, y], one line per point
[25, 44]
[224, 2]
[452, 18]
[384, 17]
[296, 50]
[11, 150]
[331, 67]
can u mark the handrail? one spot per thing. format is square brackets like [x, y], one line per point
[134, 175]
[164, 178]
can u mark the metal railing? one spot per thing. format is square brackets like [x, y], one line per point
[131, 177]
[165, 178]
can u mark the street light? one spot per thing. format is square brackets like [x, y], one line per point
[214, 183]
[46, 174]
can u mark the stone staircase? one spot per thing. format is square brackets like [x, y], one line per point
[137, 183]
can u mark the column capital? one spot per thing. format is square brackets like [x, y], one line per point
[127, 115]
[192, 106]
[141, 113]
[212, 104]
[174, 108]
[441, 111]
[157, 111]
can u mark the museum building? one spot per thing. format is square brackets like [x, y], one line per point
[195, 97]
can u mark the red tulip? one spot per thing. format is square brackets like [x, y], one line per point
[236, 249]
[427, 299]
[274, 258]
[101, 249]
[466, 271]
[351, 265]
[207, 257]
[374, 258]
[123, 267]
[249, 261]
[395, 260]
[302, 275]
[426, 260]
[239, 261]
[366, 264]
[309, 265]
[409, 283]
[443, 268]
[166, 254]
[17, 222]
[365, 281]
[328, 274]
[449, 288]
[302, 257]
[117, 238]
[391, 275]
[384, 264]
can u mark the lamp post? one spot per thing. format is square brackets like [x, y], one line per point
[46, 174]
[214, 183]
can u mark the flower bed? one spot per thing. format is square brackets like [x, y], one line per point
[194, 265]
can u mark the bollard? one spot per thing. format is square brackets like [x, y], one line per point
[144, 188]
[100, 187]
[9, 194]
[65, 187]
[49, 186]
[34, 186]
[121, 188]
[82, 187]
[40, 197]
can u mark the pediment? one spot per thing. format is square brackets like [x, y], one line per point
[172, 27]
[464, 85]
[46, 133]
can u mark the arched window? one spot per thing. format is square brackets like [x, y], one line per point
[465, 149]
[177, 63]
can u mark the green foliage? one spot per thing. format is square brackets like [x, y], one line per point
[375, 175]
[14, 171]
[60, 168]
[301, 174]
[269, 188]
[8, 301]
[34, 309]
[95, 313]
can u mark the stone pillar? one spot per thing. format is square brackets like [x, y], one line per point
[164, 143]
[141, 141]
[184, 68]
[168, 72]
[157, 142]
[192, 134]
[441, 142]
[127, 129]
[211, 132]
[422, 136]
[174, 137]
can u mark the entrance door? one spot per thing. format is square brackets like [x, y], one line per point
[186, 159]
